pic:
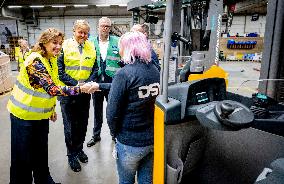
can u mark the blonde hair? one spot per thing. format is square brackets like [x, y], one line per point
[21, 42]
[81, 24]
[45, 37]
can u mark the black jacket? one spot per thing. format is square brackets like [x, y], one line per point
[130, 109]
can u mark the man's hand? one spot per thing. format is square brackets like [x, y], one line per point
[85, 87]
[53, 117]
[94, 87]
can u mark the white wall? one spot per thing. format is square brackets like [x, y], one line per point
[23, 29]
[12, 27]
[244, 25]
[65, 24]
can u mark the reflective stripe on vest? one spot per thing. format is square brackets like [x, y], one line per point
[113, 58]
[30, 103]
[78, 68]
[112, 69]
[31, 92]
[28, 108]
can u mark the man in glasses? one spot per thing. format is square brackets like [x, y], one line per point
[108, 60]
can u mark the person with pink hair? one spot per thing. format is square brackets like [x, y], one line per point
[130, 109]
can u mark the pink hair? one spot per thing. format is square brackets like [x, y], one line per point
[134, 45]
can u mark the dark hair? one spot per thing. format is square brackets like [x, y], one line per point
[145, 28]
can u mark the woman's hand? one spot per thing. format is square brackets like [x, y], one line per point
[53, 117]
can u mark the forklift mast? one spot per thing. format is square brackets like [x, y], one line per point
[272, 65]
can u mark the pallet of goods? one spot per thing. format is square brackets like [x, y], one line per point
[5, 74]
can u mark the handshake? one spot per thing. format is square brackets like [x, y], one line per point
[89, 87]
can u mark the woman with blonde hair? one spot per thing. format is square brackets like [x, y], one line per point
[130, 109]
[31, 105]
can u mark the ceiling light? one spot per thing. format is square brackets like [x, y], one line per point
[80, 5]
[58, 6]
[102, 5]
[122, 5]
[14, 6]
[36, 6]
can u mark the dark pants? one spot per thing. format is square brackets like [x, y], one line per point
[98, 100]
[75, 113]
[29, 151]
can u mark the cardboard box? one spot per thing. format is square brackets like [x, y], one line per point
[4, 59]
[5, 74]
[6, 84]
[5, 70]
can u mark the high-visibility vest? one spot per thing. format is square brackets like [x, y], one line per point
[20, 56]
[79, 66]
[28, 103]
[112, 57]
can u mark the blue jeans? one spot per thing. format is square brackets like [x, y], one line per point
[134, 159]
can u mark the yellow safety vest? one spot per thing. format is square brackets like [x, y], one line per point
[28, 103]
[79, 66]
[21, 57]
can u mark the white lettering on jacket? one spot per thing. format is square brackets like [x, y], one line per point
[146, 91]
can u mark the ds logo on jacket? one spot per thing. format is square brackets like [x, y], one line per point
[146, 91]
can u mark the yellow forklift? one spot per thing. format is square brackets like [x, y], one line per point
[202, 132]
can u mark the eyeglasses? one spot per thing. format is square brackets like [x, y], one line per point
[105, 26]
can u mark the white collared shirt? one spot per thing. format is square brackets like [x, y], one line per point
[103, 48]
[78, 43]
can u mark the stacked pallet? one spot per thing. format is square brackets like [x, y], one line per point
[243, 52]
[5, 74]
[13, 42]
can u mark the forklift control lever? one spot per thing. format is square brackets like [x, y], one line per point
[176, 37]
[226, 110]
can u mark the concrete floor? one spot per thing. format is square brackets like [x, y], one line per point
[101, 167]
[243, 77]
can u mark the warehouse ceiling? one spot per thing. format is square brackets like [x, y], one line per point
[251, 6]
[49, 8]
[64, 2]
[98, 8]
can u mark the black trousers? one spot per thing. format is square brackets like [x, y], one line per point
[29, 151]
[98, 100]
[75, 113]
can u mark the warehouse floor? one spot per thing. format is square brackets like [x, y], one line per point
[101, 167]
